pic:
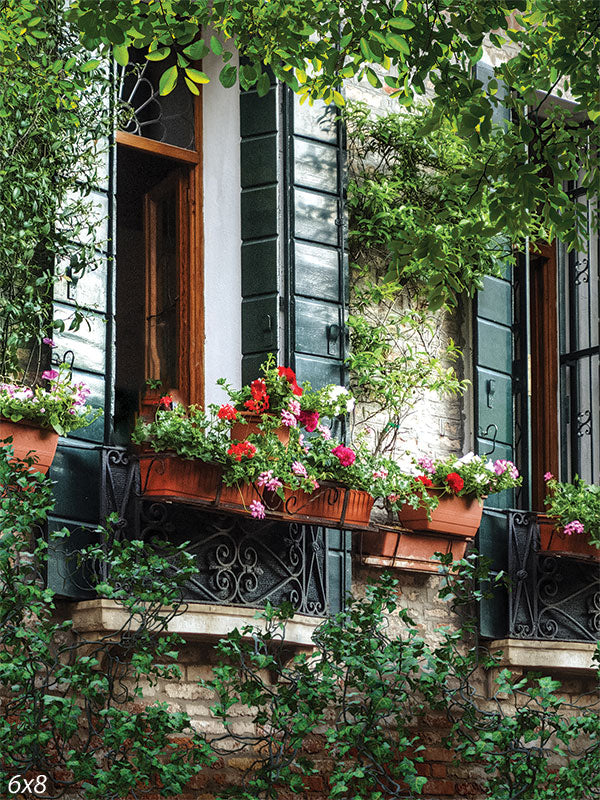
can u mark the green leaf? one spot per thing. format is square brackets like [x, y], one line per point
[121, 54]
[158, 55]
[402, 23]
[191, 86]
[228, 76]
[197, 76]
[216, 46]
[91, 64]
[196, 51]
[398, 43]
[168, 81]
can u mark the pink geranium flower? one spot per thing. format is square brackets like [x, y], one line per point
[426, 464]
[50, 375]
[345, 455]
[548, 476]
[309, 420]
[299, 469]
[257, 509]
[325, 432]
[288, 419]
[294, 408]
[573, 527]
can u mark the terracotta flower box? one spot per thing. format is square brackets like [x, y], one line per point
[30, 439]
[241, 430]
[460, 516]
[553, 540]
[168, 475]
[330, 502]
[410, 550]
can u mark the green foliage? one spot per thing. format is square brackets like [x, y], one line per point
[411, 216]
[263, 459]
[68, 709]
[62, 407]
[478, 478]
[396, 356]
[364, 693]
[51, 130]
[575, 502]
[408, 47]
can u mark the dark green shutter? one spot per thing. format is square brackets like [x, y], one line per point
[317, 266]
[494, 410]
[77, 466]
[294, 263]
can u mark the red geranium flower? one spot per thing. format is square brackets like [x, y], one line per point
[227, 412]
[260, 398]
[290, 377]
[455, 482]
[165, 401]
[257, 405]
[242, 449]
[425, 480]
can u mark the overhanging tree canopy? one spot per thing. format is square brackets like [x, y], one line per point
[423, 50]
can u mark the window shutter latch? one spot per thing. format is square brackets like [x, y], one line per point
[333, 336]
[490, 392]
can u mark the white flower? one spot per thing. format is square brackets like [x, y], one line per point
[336, 391]
[480, 477]
[467, 459]
[350, 405]
[489, 465]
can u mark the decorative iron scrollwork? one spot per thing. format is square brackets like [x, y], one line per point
[551, 596]
[582, 271]
[143, 111]
[584, 423]
[240, 560]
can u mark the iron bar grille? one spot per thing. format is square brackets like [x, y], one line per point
[240, 561]
[579, 277]
[551, 597]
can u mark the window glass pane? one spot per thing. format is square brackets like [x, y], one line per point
[579, 294]
[142, 111]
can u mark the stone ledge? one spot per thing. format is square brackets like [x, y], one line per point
[98, 617]
[574, 658]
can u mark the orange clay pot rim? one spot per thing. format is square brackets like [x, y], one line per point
[29, 422]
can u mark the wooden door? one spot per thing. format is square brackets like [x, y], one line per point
[165, 236]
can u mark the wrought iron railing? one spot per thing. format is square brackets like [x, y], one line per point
[240, 560]
[551, 596]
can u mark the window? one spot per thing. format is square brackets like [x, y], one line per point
[159, 286]
[564, 369]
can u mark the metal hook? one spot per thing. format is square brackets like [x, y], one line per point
[485, 435]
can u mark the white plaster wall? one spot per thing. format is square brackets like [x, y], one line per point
[222, 232]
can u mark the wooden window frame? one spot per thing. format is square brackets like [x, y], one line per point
[544, 376]
[191, 276]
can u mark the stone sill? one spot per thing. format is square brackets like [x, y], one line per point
[96, 618]
[574, 658]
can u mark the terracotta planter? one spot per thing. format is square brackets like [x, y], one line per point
[29, 439]
[327, 503]
[410, 550]
[553, 540]
[168, 475]
[240, 430]
[241, 495]
[456, 515]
